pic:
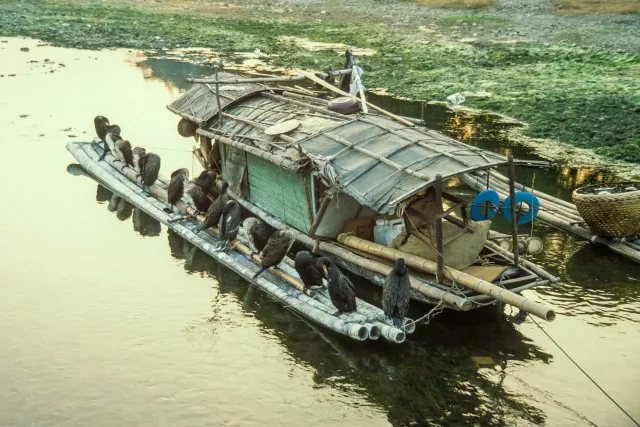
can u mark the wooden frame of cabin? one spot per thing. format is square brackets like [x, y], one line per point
[316, 177]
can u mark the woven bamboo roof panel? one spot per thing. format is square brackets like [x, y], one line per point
[381, 162]
[199, 104]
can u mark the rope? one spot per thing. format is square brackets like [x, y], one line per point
[432, 313]
[583, 371]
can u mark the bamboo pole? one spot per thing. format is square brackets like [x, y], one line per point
[363, 100]
[312, 77]
[457, 276]
[512, 207]
[220, 114]
[265, 79]
[324, 111]
[259, 126]
[439, 242]
[539, 271]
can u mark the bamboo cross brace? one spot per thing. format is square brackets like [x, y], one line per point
[343, 93]
[379, 158]
[363, 101]
[420, 142]
[221, 94]
[324, 111]
[259, 126]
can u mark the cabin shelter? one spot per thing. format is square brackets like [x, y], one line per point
[325, 173]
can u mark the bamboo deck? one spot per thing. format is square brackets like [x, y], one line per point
[368, 323]
[555, 212]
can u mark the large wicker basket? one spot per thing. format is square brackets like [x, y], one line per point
[614, 214]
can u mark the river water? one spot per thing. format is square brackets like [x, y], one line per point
[108, 319]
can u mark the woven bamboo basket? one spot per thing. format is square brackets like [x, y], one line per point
[616, 214]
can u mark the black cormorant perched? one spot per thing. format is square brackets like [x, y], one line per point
[201, 201]
[215, 210]
[308, 269]
[138, 152]
[395, 296]
[341, 290]
[103, 127]
[206, 179]
[230, 221]
[276, 249]
[258, 233]
[149, 165]
[123, 152]
[179, 179]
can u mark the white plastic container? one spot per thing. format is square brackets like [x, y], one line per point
[386, 230]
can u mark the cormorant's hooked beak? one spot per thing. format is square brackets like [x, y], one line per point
[325, 272]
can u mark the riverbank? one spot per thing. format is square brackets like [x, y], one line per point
[571, 78]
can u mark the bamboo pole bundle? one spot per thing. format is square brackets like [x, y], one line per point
[539, 271]
[570, 214]
[570, 206]
[457, 276]
[123, 185]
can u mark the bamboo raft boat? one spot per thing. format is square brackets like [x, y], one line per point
[293, 161]
[297, 162]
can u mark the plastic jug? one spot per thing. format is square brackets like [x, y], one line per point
[386, 230]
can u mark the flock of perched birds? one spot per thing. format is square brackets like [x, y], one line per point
[273, 246]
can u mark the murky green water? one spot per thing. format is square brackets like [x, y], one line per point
[106, 318]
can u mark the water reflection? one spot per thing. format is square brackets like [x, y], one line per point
[144, 224]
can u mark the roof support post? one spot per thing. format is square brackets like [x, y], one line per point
[326, 199]
[215, 67]
[512, 207]
[439, 243]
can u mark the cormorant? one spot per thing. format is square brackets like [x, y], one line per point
[138, 152]
[123, 152]
[201, 201]
[395, 296]
[309, 271]
[215, 210]
[230, 221]
[103, 127]
[257, 232]
[341, 290]
[149, 165]
[179, 179]
[206, 179]
[276, 249]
